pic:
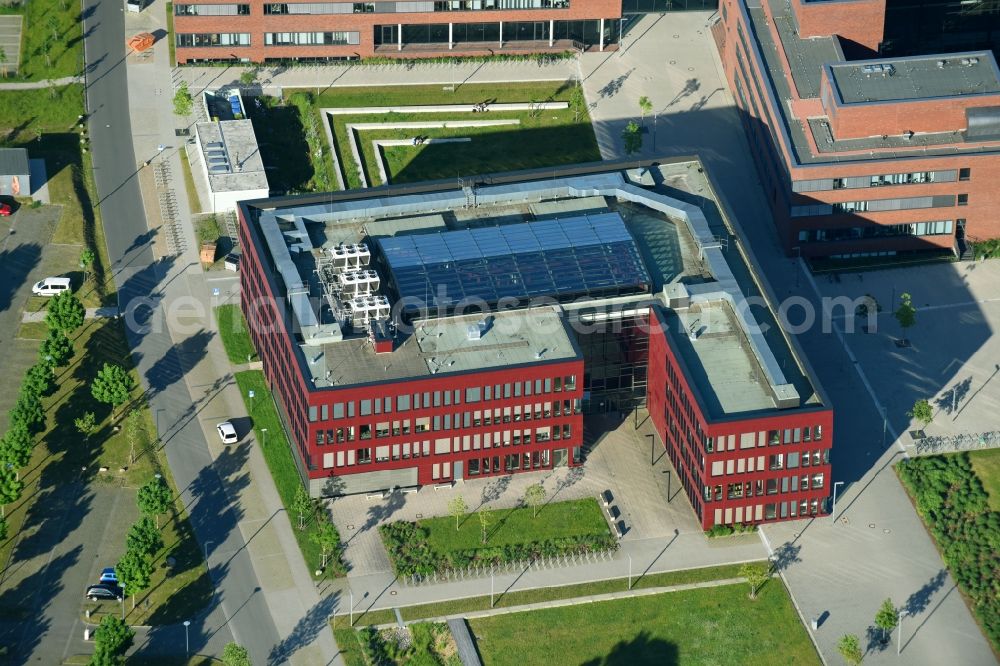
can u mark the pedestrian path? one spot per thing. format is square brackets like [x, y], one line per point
[92, 313]
[463, 641]
[37, 85]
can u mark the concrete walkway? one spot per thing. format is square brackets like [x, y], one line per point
[36, 85]
[463, 641]
[92, 313]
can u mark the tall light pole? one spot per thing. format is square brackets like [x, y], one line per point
[206, 551]
[187, 643]
[263, 436]
[352, 606]
[491, 587]
[833, 514]
[630, 572]
[899, 638]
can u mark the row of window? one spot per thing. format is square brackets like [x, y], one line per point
[881, 180]
[383, 431]
[749, 440]
[300, 8]
[426, 399]
[586, 31]
[937, 228]
[770, 511]
[311, 38]
[763, 487]
[200, 39]
[442, 446]
[775, 461]
[879, 205]
[212, 10]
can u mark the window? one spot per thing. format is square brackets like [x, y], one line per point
[312, 413]
[364, 456]
[964, 174]
[817, 433]
[472, 394]
[963, 199]
[817, 480]
[772, 486]
[211, 10]
[403, 403]
[773, 438]
[311, 38]
[366, 407]
[474, 467]
[213, 39]
[338, 410]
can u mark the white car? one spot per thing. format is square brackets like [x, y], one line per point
[50, 286]
[227, 432]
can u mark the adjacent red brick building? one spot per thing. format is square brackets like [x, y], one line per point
[869, 157]
[257, 31]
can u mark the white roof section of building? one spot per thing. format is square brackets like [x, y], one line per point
[231, 157]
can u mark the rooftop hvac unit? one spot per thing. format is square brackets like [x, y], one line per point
[358, 282]
[350, 255]
[362, 309]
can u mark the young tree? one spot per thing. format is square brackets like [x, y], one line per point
[155, 498]
[86, 425]
[302, 506]
[645, 106]
[38, 380]
[248, 77]
[112, 640]
[849, 648]
[905, 314]
[632, 136]
[135, 572]
[10, 488]
[133, 432]
[65, 312]
[457, 508]
[534, 497]
[3, 529]
[144, 537]
[577, 101]
[183, 102]
[112, 386]
[52, 23]
[922, 412]
[236, 655]
[325, 536]
[87, 262]
[3, 62]
[756, 575]
[886, 618]
[485, 520]
[28, 411]
[56, 349]
[16, 446]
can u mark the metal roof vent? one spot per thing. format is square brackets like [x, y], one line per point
[473, 332]
[941, 63]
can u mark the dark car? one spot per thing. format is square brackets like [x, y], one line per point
[104, 591]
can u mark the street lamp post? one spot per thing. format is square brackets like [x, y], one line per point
[206, 551]
[187, 643]
[654, 131]
[630, 572]
[352, 607]
[833, 514]
[491, 587]
[263, 436]
[899, 638]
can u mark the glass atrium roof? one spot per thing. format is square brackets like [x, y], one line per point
[588, 255]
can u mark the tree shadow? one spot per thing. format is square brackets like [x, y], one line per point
[315, 621]
[23, 636]
[784, 556]
[494, 490]
[953, 397]
[691, 86]
[921, 599]
[614, 86]
[177, 361]
[876, 640]
[15, 266]
[382, 512]
[642, 649]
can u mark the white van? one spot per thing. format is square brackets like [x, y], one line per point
[50, 286]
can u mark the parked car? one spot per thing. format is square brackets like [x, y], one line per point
[104, 591]
[108, 575]
[227, 432]
[50, 286]
[5, 210]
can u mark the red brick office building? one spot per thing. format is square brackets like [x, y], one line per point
[263, 32]
[862, 157]
[441, 396]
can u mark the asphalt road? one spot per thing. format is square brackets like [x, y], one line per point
[239, 611]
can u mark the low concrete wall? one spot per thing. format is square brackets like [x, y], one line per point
[443, 108]
[378, 144]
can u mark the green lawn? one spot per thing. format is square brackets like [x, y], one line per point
[507, 600]
[545, 138]
[718, 625]
[234, 334]
[987, 467]
[51, 39]
[278, 454]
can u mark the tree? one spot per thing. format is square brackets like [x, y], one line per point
[922, 411]
[302, 505]
[135, 573]
[905, 314]
[236, 655]
[86, 425]
[534, 497]
[577, 101]
[183, 102]
[3, 529]
[457, 508]
[56, 349]
[887, 618]
[16, 446]
[3, 62]
[28, 411]
[111, 640]
[112, 386]
[325, 536]
[65, 312]
[849, 648]
[144, 537]
[632, 135]
[248, 77]
[154, 498]
[52, 22]
[38, 380]
[645, 106]
[87, 262]
[756, 575]
[485, 520]
[10, 488]
[133, 432]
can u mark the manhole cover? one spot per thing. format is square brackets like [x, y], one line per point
[677, 36]
[392, 592]
[673, 62]
[871, 525]
[886, 531]
[420, 515]
[350, 527]
[690, 69]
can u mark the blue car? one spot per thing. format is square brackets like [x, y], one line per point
[108, 575]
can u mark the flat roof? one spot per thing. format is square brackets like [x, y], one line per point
[442, 345]
[794, 132]
[916, 77]
[230, 153]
